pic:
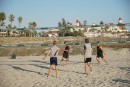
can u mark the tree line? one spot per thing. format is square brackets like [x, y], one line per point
[3, 17]
[68, 32]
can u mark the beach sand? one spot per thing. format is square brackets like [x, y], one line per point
[31, 71]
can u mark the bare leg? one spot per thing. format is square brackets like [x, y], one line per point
[66, 62]
[56, 71]
[89, 67]
[61, 61]
[85, 69]
[97, 60]
[49, 71]
[104, 60]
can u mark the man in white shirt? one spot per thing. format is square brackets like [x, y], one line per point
[87, 55]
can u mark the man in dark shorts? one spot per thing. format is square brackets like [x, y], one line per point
[53, 51]
[87, 55]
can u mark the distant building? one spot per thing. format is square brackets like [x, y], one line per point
[77, 23]
[91, 34]
[78, 28]
[53, 33]
[121, 25]
[116, 29]
[97, 27]
[120, 21]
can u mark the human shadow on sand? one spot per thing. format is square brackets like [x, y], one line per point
[75, 62]
[39, 61]
[45, 67]
[121, 81]
[125, 68]
[37, 65]
[22, 69]
[80, 62]
[78, 72]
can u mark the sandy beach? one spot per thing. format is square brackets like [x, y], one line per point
[31, 71]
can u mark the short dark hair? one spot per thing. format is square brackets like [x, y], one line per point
[86, 40]
[54, 42]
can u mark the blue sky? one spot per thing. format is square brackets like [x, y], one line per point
[48, 13]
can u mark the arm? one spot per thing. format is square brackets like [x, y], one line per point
[92, 50]
[47, 54]
[103, 51]
[84, 51]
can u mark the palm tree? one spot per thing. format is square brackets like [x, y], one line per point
[30, 25]
[2, 18]
[20, 20]
[63, 22]
[34, 24]
[11, 18]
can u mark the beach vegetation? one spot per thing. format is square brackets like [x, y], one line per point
[20, 20]
[11, 18]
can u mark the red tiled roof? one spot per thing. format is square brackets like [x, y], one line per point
[52, 32]
[84, 31]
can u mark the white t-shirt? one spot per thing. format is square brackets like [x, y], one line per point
[88, 50]
[53, 50]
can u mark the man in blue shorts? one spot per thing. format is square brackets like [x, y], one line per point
[53, 51]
